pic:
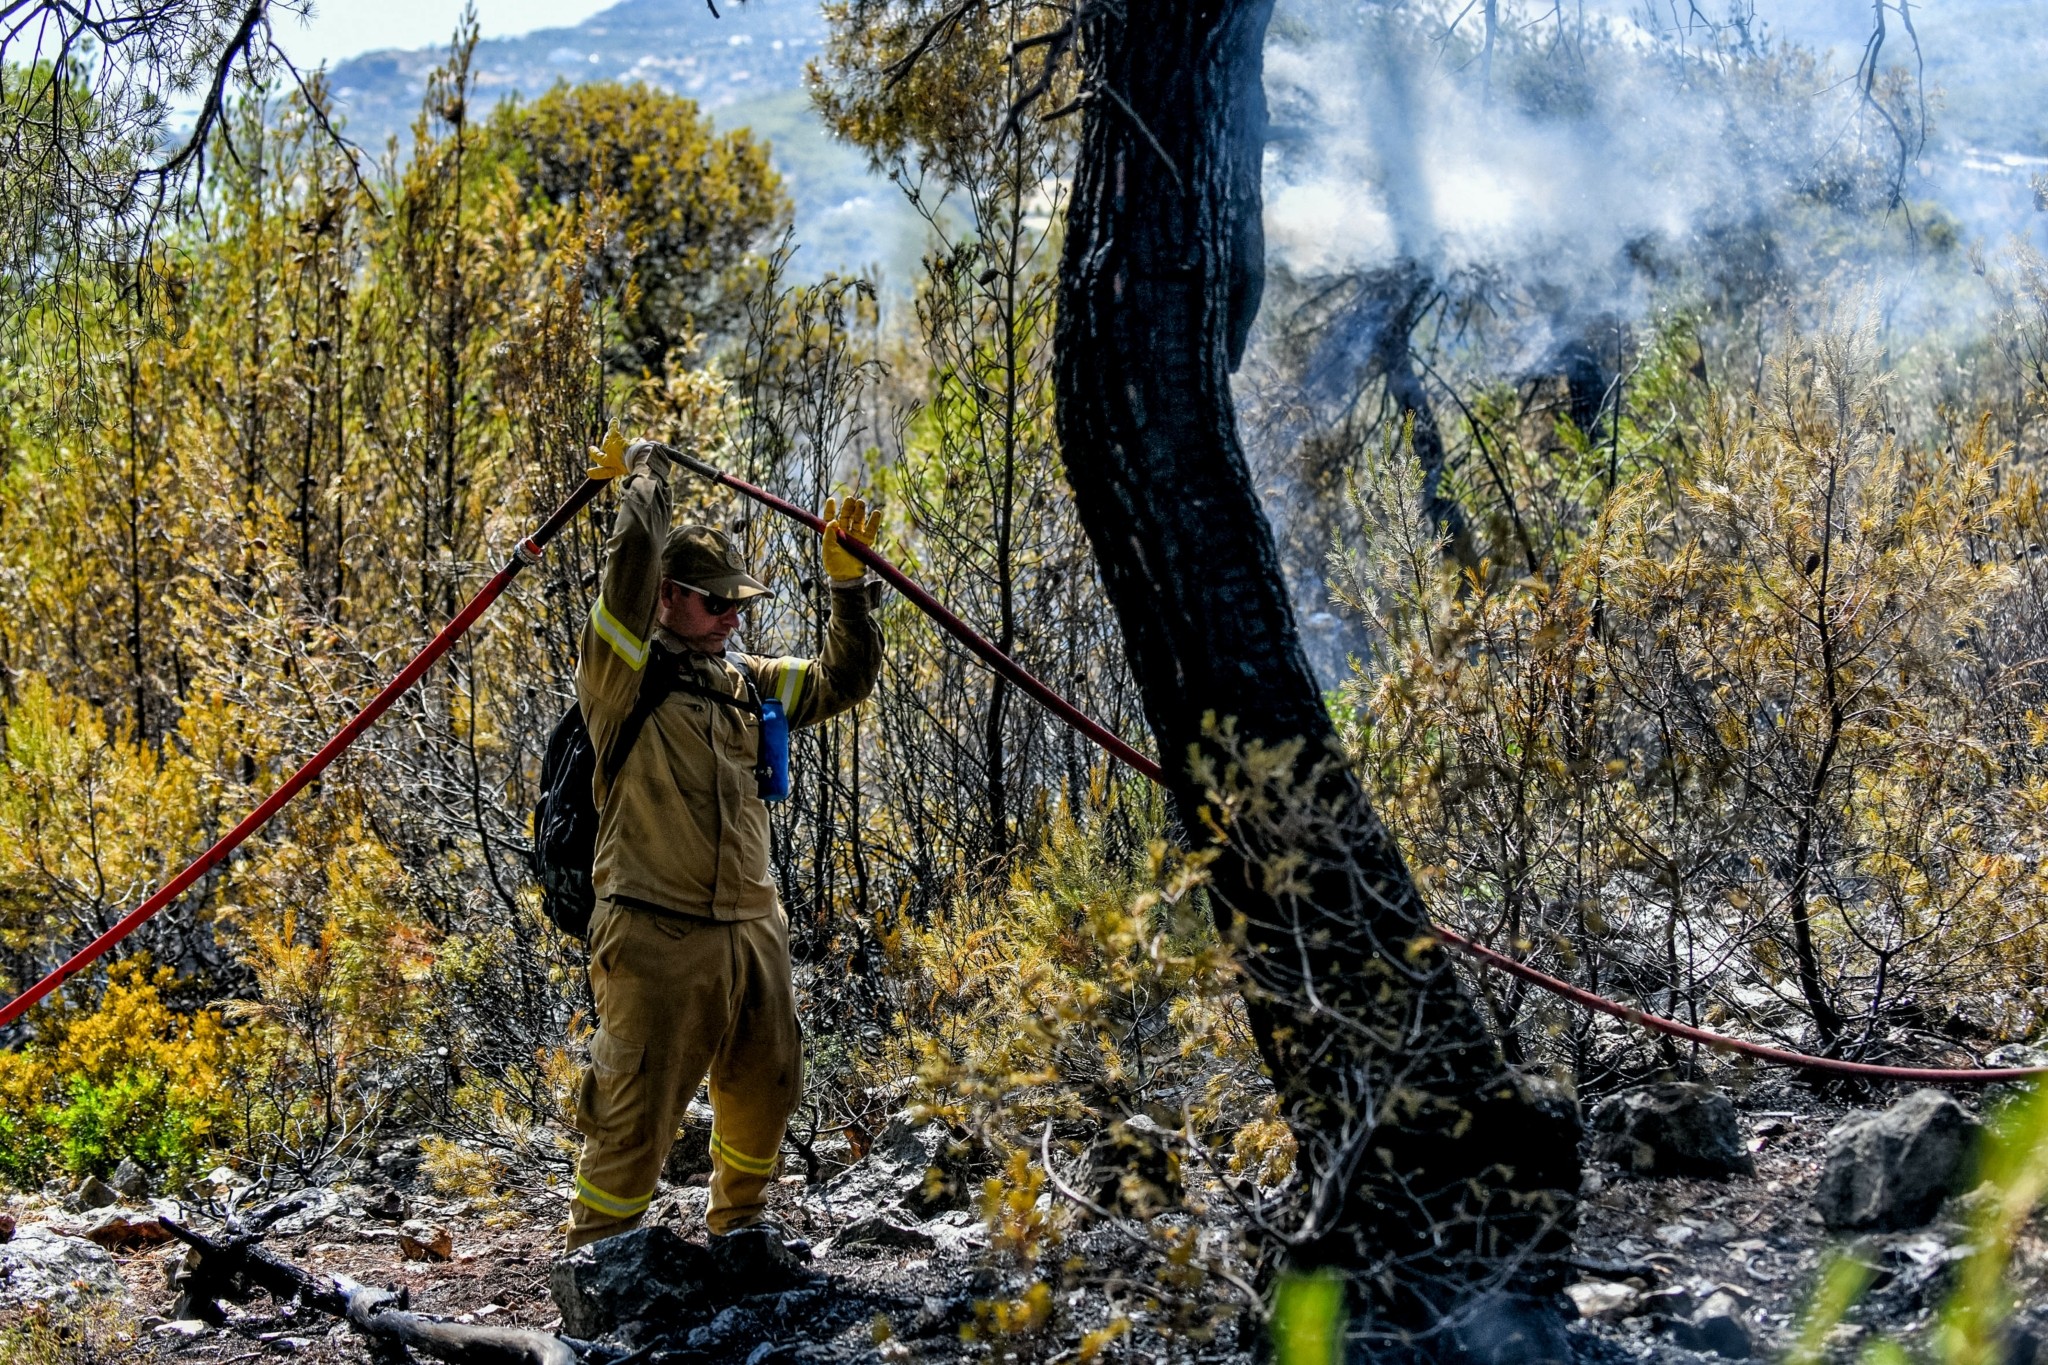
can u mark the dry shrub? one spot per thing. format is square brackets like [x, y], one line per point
[95, 1331]
[1084, 1031]
[334, 1039]
[1754, 748]
[130, 1076]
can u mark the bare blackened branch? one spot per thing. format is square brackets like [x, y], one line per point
[1057, 42]
[904, 65]
[237, 50]
[1909, 142]
[378, 1314]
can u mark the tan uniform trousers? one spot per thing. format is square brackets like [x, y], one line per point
[676, 998]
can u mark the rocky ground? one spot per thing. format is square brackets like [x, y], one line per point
[1676, 1264]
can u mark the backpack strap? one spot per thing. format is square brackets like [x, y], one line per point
[665, 675]
[656, 683]
[751, 703]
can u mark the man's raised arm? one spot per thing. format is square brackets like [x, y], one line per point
[812, 690]
[608, 671]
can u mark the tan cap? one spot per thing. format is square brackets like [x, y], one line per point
[709, 560]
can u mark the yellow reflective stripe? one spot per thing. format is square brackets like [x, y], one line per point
[611, 1203]
[624, 643]
[740, 1161]
[791, 684]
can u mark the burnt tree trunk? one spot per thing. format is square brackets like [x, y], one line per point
[1432, 1171]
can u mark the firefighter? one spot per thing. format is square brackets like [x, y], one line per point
[689, 945]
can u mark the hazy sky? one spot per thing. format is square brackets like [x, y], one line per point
[343, 28]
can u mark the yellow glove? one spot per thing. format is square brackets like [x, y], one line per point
[857, 522]
[609, 460]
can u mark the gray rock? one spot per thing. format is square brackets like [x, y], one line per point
[880, 1231]
[1601, 1299]
[41, 1266]
[1671, 1128]
[2026, 1338]
[2011, 1055]
[731, 1325]
[1672, 1301]
[401, 1162]
[131, 1180]
[1717, 1327]
[957, 1231]
[300, 1212]
[182, 1329]
[95, 1193]
[647, 1275]
[758, 1260]
[1914, 1273]
[1893, 1169]
[917, 1167]
[127, 1230]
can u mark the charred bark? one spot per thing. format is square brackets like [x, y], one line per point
[1397, 297]
[1431, 1170]
[1367, 335]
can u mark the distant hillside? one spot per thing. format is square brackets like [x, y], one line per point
[1986, 60]
[744, 68]
[1985, 63]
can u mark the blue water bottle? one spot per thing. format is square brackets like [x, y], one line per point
[771, 774]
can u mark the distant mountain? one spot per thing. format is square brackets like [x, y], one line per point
[1987, 61]
[745, 68]
[754, 49]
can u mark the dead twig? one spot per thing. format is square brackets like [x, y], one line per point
[902, 66]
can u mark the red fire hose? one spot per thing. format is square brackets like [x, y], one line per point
[1116, 747]
[1002, 663]
[529, 551]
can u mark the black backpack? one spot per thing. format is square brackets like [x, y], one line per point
[565, 817]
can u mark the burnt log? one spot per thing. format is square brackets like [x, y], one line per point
[380, 1315]
[236, 1267]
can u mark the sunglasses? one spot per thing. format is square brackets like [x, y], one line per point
[714, 604]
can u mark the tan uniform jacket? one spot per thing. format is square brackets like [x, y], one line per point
[685, 829]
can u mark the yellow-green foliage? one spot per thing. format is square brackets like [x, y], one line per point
[1091, 988]
[690, 202]
[1095, 990]
[91, 819]
[352, 403]
[482, 1178]
[130, 1077]
[344, 968]
[1758, 720]
[98, 1331]
[349, 407]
